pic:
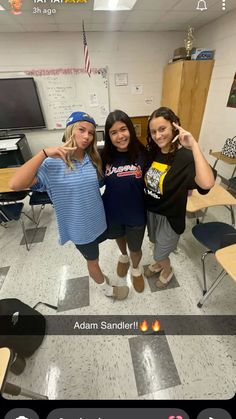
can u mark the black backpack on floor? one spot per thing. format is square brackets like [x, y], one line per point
[22, 328]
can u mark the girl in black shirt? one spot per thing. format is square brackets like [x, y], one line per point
[178, 166]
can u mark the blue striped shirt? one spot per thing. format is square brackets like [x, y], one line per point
[76, 198]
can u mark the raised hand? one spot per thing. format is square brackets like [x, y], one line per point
[185, 138]
[60, 152]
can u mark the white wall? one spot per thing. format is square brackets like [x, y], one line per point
[142, 55]
[219, 121]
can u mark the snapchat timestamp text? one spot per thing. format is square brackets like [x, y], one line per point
[44, 11]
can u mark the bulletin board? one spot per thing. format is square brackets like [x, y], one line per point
[65, 90]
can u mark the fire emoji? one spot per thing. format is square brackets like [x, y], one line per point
[144, 326]
[156, 326]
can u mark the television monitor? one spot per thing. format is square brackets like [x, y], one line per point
[19, 104]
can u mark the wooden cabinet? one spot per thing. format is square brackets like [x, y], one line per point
[140, 125]
[185, 89]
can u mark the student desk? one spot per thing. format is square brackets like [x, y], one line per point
[226, 257]
[216, 196]
[5, 176]
[228, 160]
[7, 195]
[5, 361]
[6, 358]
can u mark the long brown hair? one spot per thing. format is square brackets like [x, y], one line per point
[169, 115]
[91, 150]
[134, 148]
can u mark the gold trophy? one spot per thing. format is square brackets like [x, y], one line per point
[188, 42]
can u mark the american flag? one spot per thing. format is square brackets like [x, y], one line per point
[86, 54]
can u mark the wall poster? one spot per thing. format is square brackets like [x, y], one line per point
[232, 96]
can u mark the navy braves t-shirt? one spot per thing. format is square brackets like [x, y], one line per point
[124, 194]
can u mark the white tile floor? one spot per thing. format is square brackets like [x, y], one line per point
[101, 367]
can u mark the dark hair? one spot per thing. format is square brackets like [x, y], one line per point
[169, 115]
[134, 147]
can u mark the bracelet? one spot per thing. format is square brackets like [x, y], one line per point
[45, 152]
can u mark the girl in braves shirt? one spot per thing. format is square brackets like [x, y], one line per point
[124, 162]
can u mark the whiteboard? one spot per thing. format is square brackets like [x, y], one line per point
[63, 91]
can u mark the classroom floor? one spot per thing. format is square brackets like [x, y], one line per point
[119, 367]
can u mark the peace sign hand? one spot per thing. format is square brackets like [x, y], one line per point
[60, 152]
[185, 138]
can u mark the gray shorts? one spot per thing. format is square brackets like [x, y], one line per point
[163, 236]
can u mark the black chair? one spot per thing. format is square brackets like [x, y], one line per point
[10, 212]
[39, 198]
[214, 236]
[232, 186]
[13, 196]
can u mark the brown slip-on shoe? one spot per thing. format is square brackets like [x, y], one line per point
[122, 269]
[148, 272]
[120, 293]
[162, 282]
[138, 283]
[137, 279]
[123, 266]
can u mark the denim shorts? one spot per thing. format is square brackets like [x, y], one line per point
[133, 234]
[90, 251]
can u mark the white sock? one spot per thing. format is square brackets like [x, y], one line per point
[120, 282]
[107, 289]
[124, 258]
[136, 271]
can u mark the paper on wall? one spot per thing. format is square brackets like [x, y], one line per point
[93, 100]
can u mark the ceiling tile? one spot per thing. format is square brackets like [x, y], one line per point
[107, 17]
[41, 28]
[100, 27]
[155, 4]
[28, 17]
[133, 27]
[65, 27]
[11, 28]
[73, 17]
[144, 17]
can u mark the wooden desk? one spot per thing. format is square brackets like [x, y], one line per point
[6, 357]
[216, 196]
[5, 176]
[219, 156]
[5, 360]
[227, 259]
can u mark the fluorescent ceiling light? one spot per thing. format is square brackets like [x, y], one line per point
[113, 4]
[1, 8]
